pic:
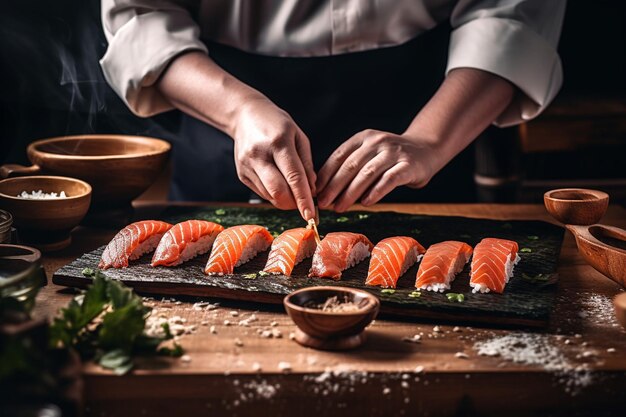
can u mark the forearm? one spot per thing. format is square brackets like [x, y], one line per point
[196, 85]
[467, 102]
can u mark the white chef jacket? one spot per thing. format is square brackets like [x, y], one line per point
[515, 39]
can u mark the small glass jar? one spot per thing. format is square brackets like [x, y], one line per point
[6, 221]
[21, 274]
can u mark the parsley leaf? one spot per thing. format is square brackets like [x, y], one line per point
[107, 323]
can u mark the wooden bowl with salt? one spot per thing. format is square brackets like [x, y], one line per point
[331, 318]
[45, 223]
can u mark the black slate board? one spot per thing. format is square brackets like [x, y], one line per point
[527, 299]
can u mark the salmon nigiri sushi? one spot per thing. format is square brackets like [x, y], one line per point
[337, 252]
[131, 242]
[441, 263]
[236, 246]
[493, 264]
[184, 241]
[289, 249]
[391, 258]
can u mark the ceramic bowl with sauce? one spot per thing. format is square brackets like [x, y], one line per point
[338, 327]
[21, 273]
[45, 223]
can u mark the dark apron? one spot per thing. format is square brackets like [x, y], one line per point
[331, 99]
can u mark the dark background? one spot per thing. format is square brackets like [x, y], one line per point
[51, 85]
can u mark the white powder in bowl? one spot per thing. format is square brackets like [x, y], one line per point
[40, 195]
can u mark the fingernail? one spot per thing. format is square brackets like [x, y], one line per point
[307, 214]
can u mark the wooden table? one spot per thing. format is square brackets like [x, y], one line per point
[235, 371]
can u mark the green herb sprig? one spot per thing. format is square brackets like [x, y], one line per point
[107, 323]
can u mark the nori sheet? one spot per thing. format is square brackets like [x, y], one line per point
[528, 297]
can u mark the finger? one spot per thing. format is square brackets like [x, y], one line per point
[303, 147]
[276, 186]
[345, 174]
[250, 179]
[396, 176]
[257, 186]
[366, 177]
[335, 160]
[293, 171]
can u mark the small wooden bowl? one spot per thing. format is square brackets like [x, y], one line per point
[578, 206]
[45, 224]
[331, 330]
[118, 167]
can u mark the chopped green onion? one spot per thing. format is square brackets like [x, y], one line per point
[415, 294]
[263, 273]
[217, 220]
[459, 298]
[526, 250]
[538, 277]
[249, 276]
[342, 219]
[275, 234]
[362, 216]
[220, 212]
[387, 291]
[533, 237]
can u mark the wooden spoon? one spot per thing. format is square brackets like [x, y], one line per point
[604, 248]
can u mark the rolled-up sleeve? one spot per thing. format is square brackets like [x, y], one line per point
[144, 36]
[516, 40]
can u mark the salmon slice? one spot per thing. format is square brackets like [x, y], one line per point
[131, 242]
[493, 263]
[289, 249]
[236, 246]
[441, 263]
[337, 252]
[391, 258]
[184, 241]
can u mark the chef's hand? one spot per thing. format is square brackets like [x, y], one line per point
[371, 164]
[273, 156]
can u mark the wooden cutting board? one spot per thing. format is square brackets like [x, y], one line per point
[526, 301]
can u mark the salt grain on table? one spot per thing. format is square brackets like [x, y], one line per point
[461, 355]
[213, 329]
[413, 339]
[537, 349]
[238, 342]
[284, 366]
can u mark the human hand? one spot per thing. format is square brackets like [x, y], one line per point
[371, 164]
[273, 156]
